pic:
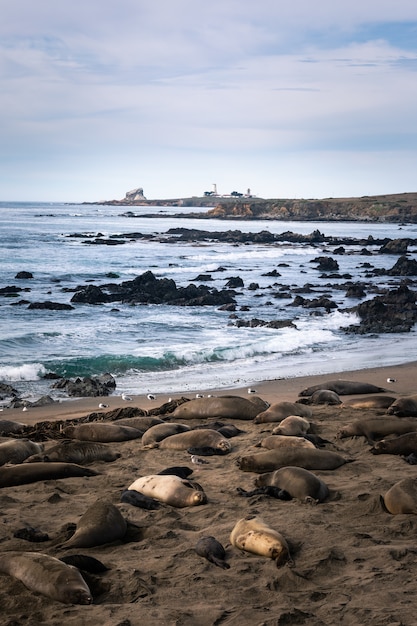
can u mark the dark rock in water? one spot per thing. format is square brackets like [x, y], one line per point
[355, 291]
[51, 306]
[404, 267]
[235, 282]
[12, 290]
[7, 391]
[91, 294]
[85, 387]
[394, 246]
[326, 263]
[24, 275]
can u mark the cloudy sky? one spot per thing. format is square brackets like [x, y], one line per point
[290, 99]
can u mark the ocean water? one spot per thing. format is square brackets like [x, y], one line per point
[178, 349]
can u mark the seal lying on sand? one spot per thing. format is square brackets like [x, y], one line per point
[298, 482]
[9, 426]
[46, 575]
[401, 498]
[322, 396]
[157, 433]
[403, 445]
[17, 450]
[170, 489]
[100, 431]
[11, 475]
[233, 407]
[251, 534]
[343, 388]
[404, 407]
[377, 428]
[293, 425]
[197, 439]
[284, 441]
[101, 523]
[370, 402]
[213, 551]
[300, 457]
[81, 452]
[280, 410]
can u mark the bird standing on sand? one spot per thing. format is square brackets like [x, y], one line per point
[391, 380]
[250, 390]
[150, 396]
[126, 397]
[102, 405]
[197, 460]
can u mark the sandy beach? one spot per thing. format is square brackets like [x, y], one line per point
[351, 562]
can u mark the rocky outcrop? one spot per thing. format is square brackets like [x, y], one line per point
[88, 386]
[136, 195]
[51, 306]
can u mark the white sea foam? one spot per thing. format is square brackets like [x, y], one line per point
[28, 371]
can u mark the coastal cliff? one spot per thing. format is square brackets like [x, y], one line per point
[398, 208]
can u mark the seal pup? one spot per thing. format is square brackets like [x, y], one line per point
[252, 534]
[172, 490]
[12, 475]
[284, 441]
[321, 396]
[280, 410]
[232, 407]
[298, 482]
[73, 451]
[403, 445]
[130, 496]
[343, 388]
[213, 551]
[47, 575]
[404, 407]
[101, 523]
[377, 428]
[157, 433]
[271, 460]
[196, 439]
[293, 425]
[104, 432]
[17, 450]
[401, 498]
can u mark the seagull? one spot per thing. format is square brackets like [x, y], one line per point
[126, 397]
[391, 380]
[25, 408]
[150, 396]
[197, 460]
[252, 390]
[102, 405]
[199, 395]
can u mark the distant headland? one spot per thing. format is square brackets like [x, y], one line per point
[396, 208]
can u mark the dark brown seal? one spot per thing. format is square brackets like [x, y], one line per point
[404, 407]
[377, 428]
[300, 457]
[47, 575]
[32, 472]
[213, 551]
[343, 388]
[81, 452]
[322, 396]
[232, 407]
[101, 523]
[403, 445]
[297, 482]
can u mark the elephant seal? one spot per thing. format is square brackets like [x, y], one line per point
[280, 410]
[130, 496]
[343, 388]
[172, 490]
[32, 472]
[101, 523]
[403, 445]
[198, 439]
[47, 575]
[8, 427]
[369, 402]
[213, 551]
[81, 452]
[377, 428]
[298, 482]
[251, 534]
[101, 431]
[293, 425]
[141, 422]
[401, 497]
[284, 441]
[271, 460]
[404, 407]
[17, 450]
[157, 433]
[322, 396]
[232, 407]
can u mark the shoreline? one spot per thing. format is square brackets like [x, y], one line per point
[281, 389]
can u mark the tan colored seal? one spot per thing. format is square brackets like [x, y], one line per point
[343, 388]
[170, 489]
[157, 433]
[298, 482]
[17, 450]
[369, 402]
[11, 475]
[104, 432]
[73, 451]
[280, 410]
[101, 523]
[293, 425]
[402, 497]
[233, 407]
[377, 428]
[271, 460]
[199, 438]
[47, 575]
[284, 441]
[252, 534]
